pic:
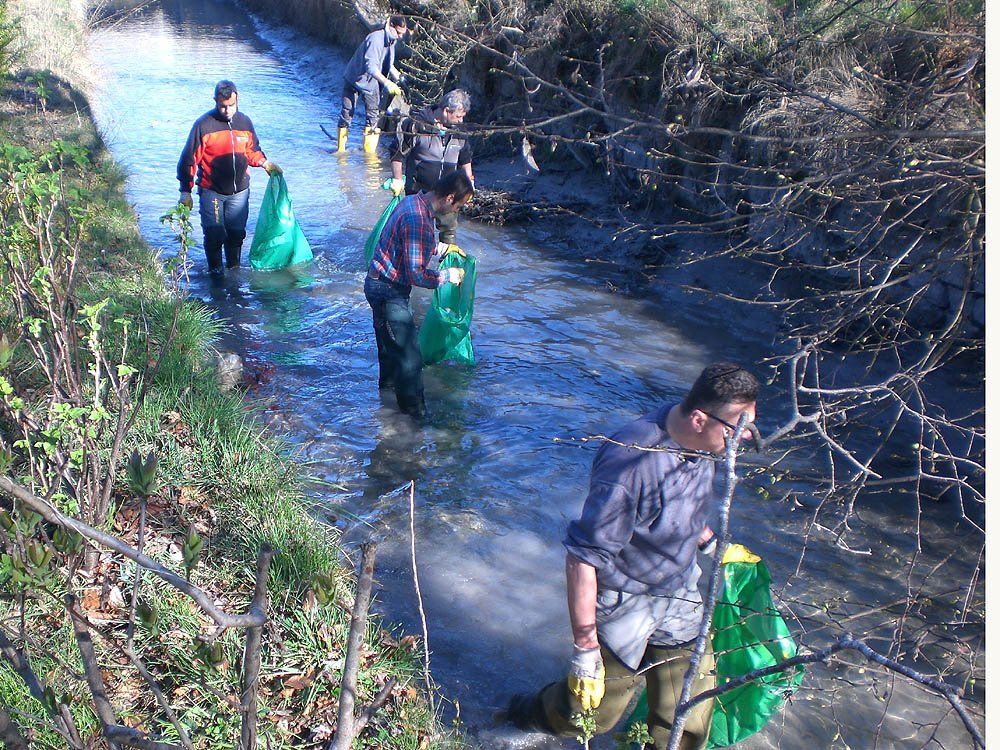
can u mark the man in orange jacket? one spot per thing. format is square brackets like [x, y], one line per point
[220, 147]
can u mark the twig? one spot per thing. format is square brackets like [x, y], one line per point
[144, 672]
[844, 643]
[130, 633]
[114, 733]
[346, 726]
[251, 654]
[9, 733]
[376, 704]
[64, 724]
[682, 708]
[420, 598]
[200, 597]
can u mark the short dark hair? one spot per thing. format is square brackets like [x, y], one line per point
[397, 20]
[225, 89]
[719, 384]
[457, 184]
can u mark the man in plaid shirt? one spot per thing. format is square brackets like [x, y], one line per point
[405, 250]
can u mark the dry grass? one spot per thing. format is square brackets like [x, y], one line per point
[52, 37]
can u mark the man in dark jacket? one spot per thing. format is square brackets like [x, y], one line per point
[372, 66]
[631, 569]
[431, 147]
[220, 147]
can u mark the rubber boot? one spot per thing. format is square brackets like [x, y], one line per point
[371, 140]
[341, 139]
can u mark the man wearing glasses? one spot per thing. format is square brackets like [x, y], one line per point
[631, 568]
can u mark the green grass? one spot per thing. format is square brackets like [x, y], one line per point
[220, 469]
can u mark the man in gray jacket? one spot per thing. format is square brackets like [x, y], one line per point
[432, 146]
[631, 568]
[371, 68]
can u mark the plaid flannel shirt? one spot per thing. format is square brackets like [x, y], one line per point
[407, 244]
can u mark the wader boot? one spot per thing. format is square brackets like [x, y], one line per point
[371, 140]
[341, 140]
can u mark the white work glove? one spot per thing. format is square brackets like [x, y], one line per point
[441, 249]
[396, 185]
[186, 200]
[452, 275]
[586, 677]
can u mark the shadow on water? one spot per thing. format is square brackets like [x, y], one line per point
[558, 354]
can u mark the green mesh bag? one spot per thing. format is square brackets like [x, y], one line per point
[379, 226]
[278, 240]
[748, 633]
[444, 335]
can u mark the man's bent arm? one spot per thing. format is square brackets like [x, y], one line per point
[581, 594]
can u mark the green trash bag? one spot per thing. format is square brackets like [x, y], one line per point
[445, 332]
[380, 225]
[748, 633]
[278, 240]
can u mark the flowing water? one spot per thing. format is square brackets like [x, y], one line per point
[560, 355]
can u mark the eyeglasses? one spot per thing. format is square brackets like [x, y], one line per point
[720, 421]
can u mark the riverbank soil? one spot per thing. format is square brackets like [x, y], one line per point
[219, 491]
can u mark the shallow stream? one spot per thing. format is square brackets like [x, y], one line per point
[560, 354]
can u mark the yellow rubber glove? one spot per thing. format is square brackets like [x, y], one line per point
[739, 553]
[186, 200]
[453, 249]
[393, 89]
[586, 677]
[271, 168]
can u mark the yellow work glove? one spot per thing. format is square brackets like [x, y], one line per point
[186, 200]
[453, 249]
[586, 677]
[393, 89]
[739, 553]
[396, 185]
[271, 168]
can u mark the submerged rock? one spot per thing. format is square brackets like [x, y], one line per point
[228, 370]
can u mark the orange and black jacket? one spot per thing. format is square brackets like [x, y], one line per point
[220, 150]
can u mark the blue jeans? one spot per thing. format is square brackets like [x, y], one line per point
[399, 358]
[224, 221]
